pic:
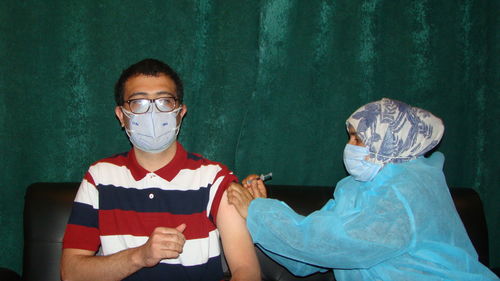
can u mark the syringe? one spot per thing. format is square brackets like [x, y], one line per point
[263, 177]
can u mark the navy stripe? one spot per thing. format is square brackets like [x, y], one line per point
[123, 154]
[193, 156]
[211, 271]
[153, 199]
[83, 214]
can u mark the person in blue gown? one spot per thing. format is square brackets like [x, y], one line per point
[392, 218]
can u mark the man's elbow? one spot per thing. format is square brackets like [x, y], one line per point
[246, 274]
[64, 271]
[64, 274]
[67, 267]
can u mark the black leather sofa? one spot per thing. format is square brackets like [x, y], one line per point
[47, 207]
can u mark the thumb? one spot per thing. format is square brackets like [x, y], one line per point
[261, 190]
[181, 227]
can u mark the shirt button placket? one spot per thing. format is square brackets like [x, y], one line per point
[152, 177]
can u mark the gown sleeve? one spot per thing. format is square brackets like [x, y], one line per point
[297, 267]
[354, 232]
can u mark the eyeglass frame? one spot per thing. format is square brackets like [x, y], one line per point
[151, 101]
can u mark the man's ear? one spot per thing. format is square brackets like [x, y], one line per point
[119, 115]
[183, 110]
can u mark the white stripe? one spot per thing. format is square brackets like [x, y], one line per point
[186, 179]
[87, 194]
[195, 251]
[213, 191]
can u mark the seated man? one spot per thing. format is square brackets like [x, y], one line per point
[156, 211]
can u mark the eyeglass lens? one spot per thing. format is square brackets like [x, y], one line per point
[142, 105]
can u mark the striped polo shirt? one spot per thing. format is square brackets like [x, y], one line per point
[119, 204]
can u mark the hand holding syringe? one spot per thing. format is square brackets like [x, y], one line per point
[262, 177]
[255, 187]
[241, 196]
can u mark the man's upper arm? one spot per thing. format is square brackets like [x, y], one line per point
[82, 230]
[239, 250]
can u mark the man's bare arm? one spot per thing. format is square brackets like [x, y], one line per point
[163, 243]
[237, 242]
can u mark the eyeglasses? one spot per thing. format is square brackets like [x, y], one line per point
[139, 106]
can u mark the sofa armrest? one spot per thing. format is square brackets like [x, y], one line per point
[9, 275]
[46, 212]
[470, 208]
[302, 199]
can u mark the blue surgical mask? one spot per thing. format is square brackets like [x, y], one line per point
[355, 163]
[152, 131]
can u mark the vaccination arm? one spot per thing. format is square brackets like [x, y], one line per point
[237, 243]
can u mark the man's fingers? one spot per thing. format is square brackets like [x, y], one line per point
[166, 234]
[164, 243]
[172, 246]
[181, 227]
[165, 230]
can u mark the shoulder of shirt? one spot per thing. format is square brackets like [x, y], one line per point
[202, 161]
[118, 159]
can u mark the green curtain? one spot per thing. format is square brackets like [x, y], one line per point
[269, 85]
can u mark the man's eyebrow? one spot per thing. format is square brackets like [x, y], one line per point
[137, 94]
[166, 93]
[141, 94]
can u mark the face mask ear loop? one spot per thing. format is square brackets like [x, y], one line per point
[128, 114]
[178, 129]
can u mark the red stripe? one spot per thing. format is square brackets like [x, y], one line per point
[118, 159]
[88, 177]
[119, 222]
[228, 178]
[81, 237]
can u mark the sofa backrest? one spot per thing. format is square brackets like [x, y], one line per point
[46, 211]
[48, 205]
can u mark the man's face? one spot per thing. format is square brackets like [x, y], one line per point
[148, 87]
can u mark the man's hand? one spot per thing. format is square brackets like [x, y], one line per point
[163, 243]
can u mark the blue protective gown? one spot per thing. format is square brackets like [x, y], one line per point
[401, 226]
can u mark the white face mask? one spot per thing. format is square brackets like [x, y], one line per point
[152, 131]
[357, 166]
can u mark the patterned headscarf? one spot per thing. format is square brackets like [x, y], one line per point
[394, 131]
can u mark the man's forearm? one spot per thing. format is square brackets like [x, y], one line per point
[78, 266]
[163, 243]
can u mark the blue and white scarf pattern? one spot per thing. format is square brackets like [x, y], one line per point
[394, 131]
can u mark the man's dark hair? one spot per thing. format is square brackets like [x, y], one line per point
[148, 67]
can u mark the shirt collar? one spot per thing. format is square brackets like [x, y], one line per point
[167, 172]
